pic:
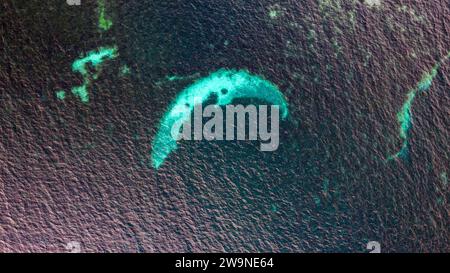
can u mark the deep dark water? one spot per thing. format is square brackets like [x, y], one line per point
[79, 172]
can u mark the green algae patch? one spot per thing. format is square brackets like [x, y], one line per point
[125, 70]
[226, 85]
[81, 92]
[104, 23]
[404, 116]
[61, 95]
[95, 59]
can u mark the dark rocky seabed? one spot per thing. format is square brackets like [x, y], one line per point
[80, 172]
